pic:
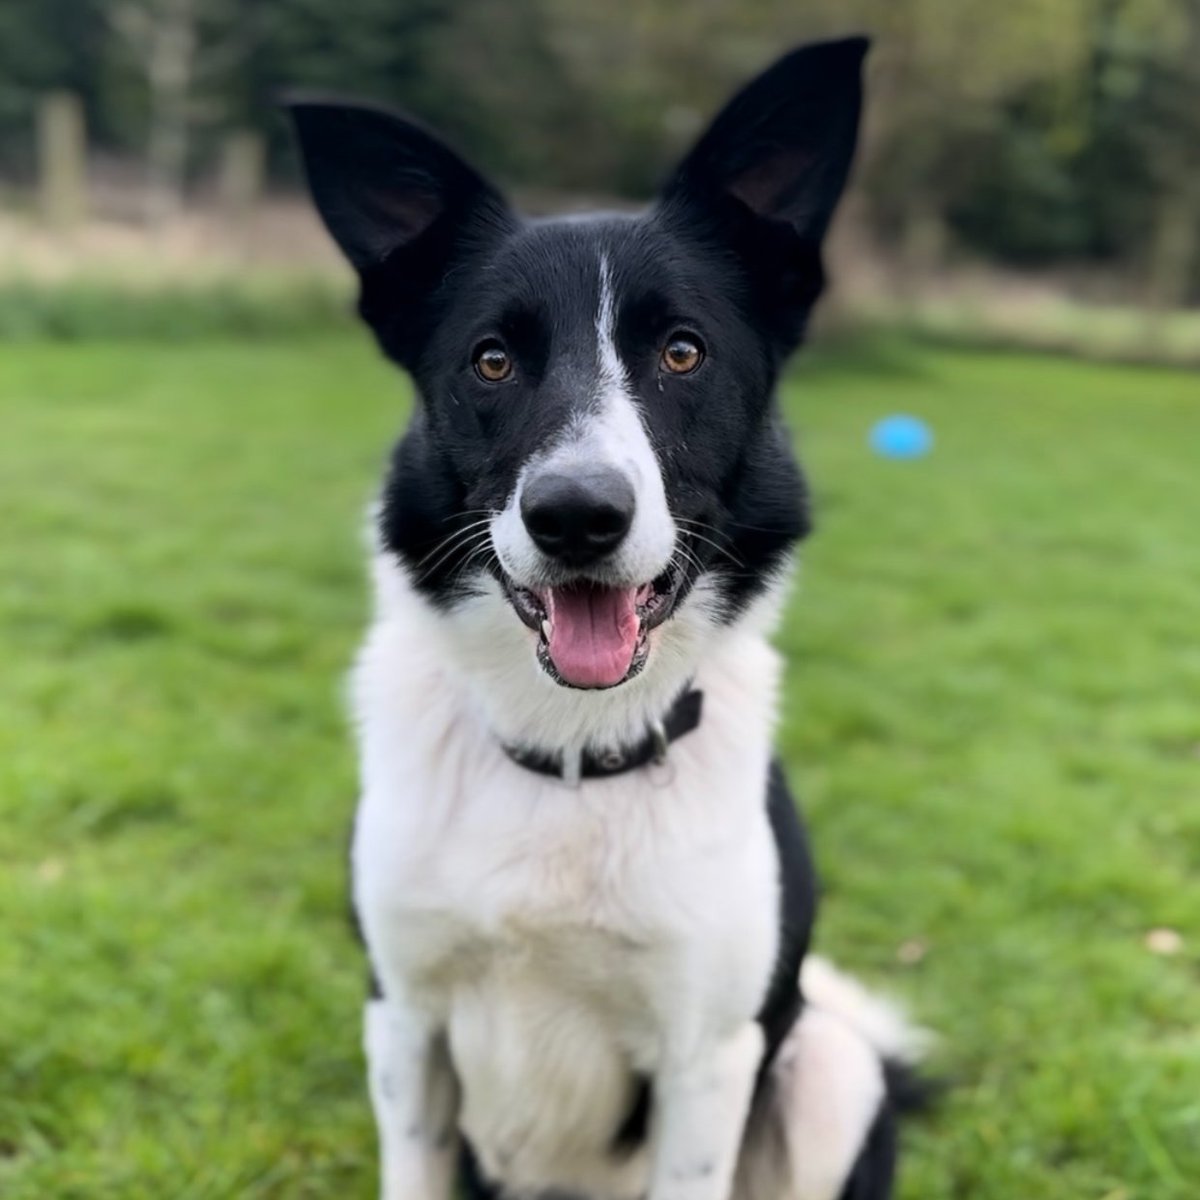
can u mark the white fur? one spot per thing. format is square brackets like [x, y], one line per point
[882, 1025]
[414, 1095]
[703, 1104]
[828, 1087]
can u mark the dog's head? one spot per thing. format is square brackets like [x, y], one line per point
[595, 444]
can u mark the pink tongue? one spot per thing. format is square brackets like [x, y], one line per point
[593, 633]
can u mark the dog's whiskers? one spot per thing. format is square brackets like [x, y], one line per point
[733, 558]
[482, 556]
[470, 528]
[463, 543]
[471, 512]
[683, 554]
[693, 528]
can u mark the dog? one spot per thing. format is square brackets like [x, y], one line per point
[583, 886]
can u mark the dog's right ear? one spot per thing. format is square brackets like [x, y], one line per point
[381, 182]
[403, 207]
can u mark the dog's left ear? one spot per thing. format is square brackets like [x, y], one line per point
[768, 173]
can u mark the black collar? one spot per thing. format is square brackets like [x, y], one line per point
[682, 717]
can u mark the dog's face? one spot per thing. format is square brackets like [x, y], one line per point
[595, 440]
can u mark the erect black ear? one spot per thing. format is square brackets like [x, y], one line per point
[381, 182]
[782, 147]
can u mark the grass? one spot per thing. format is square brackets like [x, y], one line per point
[1058, 325]
[991, 714]
[261, 305]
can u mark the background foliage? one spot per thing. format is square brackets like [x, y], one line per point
[1045, 132]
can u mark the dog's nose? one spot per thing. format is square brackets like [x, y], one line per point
[578, 518]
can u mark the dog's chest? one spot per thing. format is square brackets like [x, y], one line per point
[606, 895]
[563, 938]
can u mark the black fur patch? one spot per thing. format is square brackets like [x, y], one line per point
[797, 912]
[874, 1173]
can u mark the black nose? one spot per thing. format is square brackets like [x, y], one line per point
[578, 518]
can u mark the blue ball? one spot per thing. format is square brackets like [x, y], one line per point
[901, 436]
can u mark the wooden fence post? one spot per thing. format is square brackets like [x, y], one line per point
[62, 159]
[240, 182]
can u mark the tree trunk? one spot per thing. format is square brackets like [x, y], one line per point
[172, 46]
[240, 185]
[1176, 240]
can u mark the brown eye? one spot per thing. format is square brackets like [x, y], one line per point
[682, 354]
[492, 363]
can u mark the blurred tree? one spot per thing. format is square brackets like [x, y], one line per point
[45, 45]
[161, 39]
[1048, 131]
[371, 48]
[1172, 146]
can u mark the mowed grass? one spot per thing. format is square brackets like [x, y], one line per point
[993, 717]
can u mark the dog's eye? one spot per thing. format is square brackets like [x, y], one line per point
[492, 363]
[682, 354]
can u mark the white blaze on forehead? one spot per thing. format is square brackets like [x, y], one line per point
[612, 370]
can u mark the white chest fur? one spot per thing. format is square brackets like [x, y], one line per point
[565, 939]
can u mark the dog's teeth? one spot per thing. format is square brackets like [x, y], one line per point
[546, 629]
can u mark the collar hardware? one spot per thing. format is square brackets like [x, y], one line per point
[660, 741]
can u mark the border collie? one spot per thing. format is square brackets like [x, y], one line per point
[583, 885]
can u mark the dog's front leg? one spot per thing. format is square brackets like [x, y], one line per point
[701, 1103]
[415, 1098]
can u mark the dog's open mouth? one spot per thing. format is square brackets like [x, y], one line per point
[593, 635]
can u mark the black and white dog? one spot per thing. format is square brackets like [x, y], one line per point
[583, 885]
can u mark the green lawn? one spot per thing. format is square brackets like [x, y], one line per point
[993, 715]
